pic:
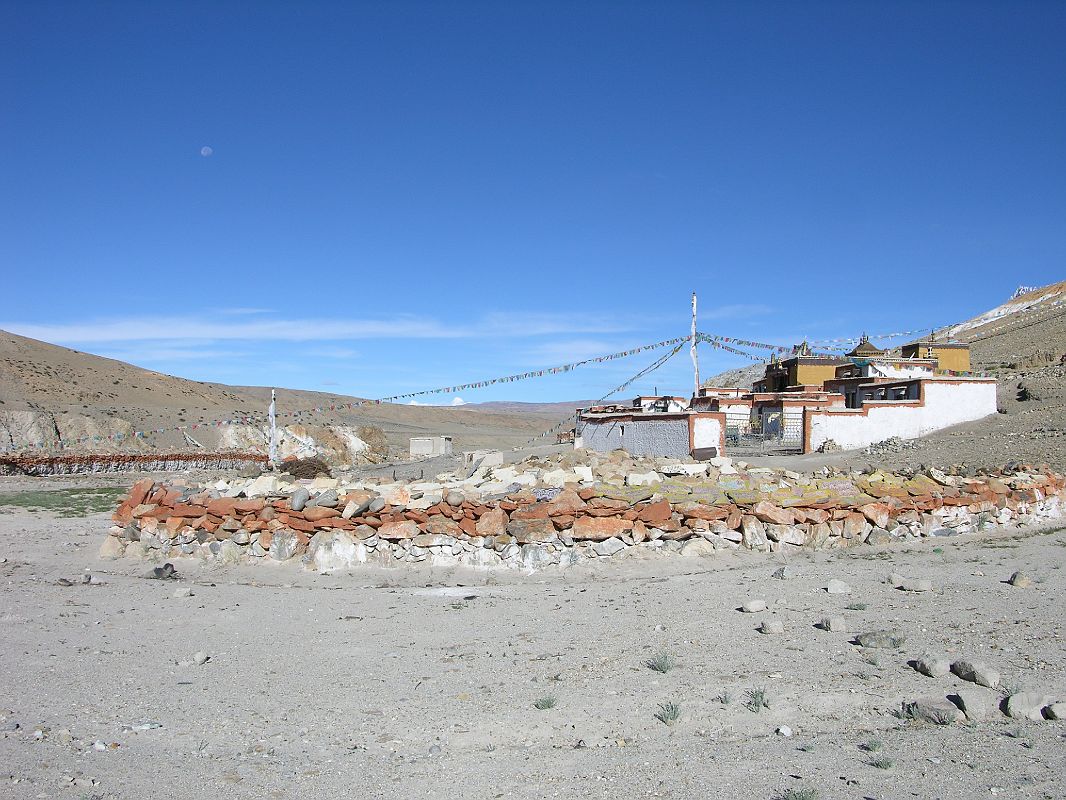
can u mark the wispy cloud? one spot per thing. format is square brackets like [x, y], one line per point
[401, 326]
[163, 353]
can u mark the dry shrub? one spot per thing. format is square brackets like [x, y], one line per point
[307, 468]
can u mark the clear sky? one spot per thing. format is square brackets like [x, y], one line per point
[374, 198]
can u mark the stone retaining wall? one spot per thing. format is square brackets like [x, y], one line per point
[536, 528]
[125, 462]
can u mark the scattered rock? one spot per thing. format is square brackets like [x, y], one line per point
[783, 573]
[112, 548]
[1056, 711]
[838, 587]
[934, 710]
[785, 731]
[976, 672]
[199, 658]
[1028, 705]
[772, 626]
[885, 640]
[1020, 580]
[753, 606]
[835, 624]
[933, 667]
[976, 704]
[915, 585]
[183, 591]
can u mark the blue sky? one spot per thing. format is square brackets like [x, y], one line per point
[399, 196]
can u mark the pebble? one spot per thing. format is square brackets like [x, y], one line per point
[976, 672]
[785, 731]
[753, 606]
[199, 658]
[838, 587]
[783, 573]
[184, 591]
[434, 750]
[9, 725]
[772, 626]
[454, 498]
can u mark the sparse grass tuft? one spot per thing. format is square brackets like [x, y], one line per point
[544, 703]
[872, 746]
[755, 700]
[881, 763]
[668, 713]
[857, 606]
[806, 793]
[662, 663]
[725, 698]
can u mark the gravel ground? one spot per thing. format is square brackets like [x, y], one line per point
[421, 684]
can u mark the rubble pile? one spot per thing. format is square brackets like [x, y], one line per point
[559, 511]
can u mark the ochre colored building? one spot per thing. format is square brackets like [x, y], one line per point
[951, 356]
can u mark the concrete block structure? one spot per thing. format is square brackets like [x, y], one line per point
[429, 446]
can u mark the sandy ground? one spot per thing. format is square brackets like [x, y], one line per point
[420, 683]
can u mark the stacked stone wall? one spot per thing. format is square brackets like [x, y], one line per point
[334, 528]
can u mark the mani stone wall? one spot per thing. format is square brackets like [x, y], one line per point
[539, 528]
[126, 462]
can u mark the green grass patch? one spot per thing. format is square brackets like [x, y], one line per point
[66, 502]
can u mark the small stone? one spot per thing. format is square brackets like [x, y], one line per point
[753, 606]
[299, 499]
[772, 626]
[783, 573]
[785, 731]
[976, 704]
[895, 580]
[914, 585]
[932, 666]
[199, 658]
[376, 505]
[886, 640]
[835, 624]
[976, 672]
[183, 591]
[1028, 705]
[838, 587]
[434, 750]
[454, 498]
[1020, 580]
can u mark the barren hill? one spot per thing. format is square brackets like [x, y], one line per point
[48, 391]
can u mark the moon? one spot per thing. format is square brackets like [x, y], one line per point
[206, 151]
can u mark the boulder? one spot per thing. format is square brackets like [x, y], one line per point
[112, 548]
[765, 511]
[976, 704]
[976, 672]
[933, 667]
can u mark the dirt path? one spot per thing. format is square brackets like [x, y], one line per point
[417, 683]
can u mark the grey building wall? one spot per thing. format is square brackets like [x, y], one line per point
[662, 437]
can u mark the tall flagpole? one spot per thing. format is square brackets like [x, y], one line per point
[695, 357]
[272, 414]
